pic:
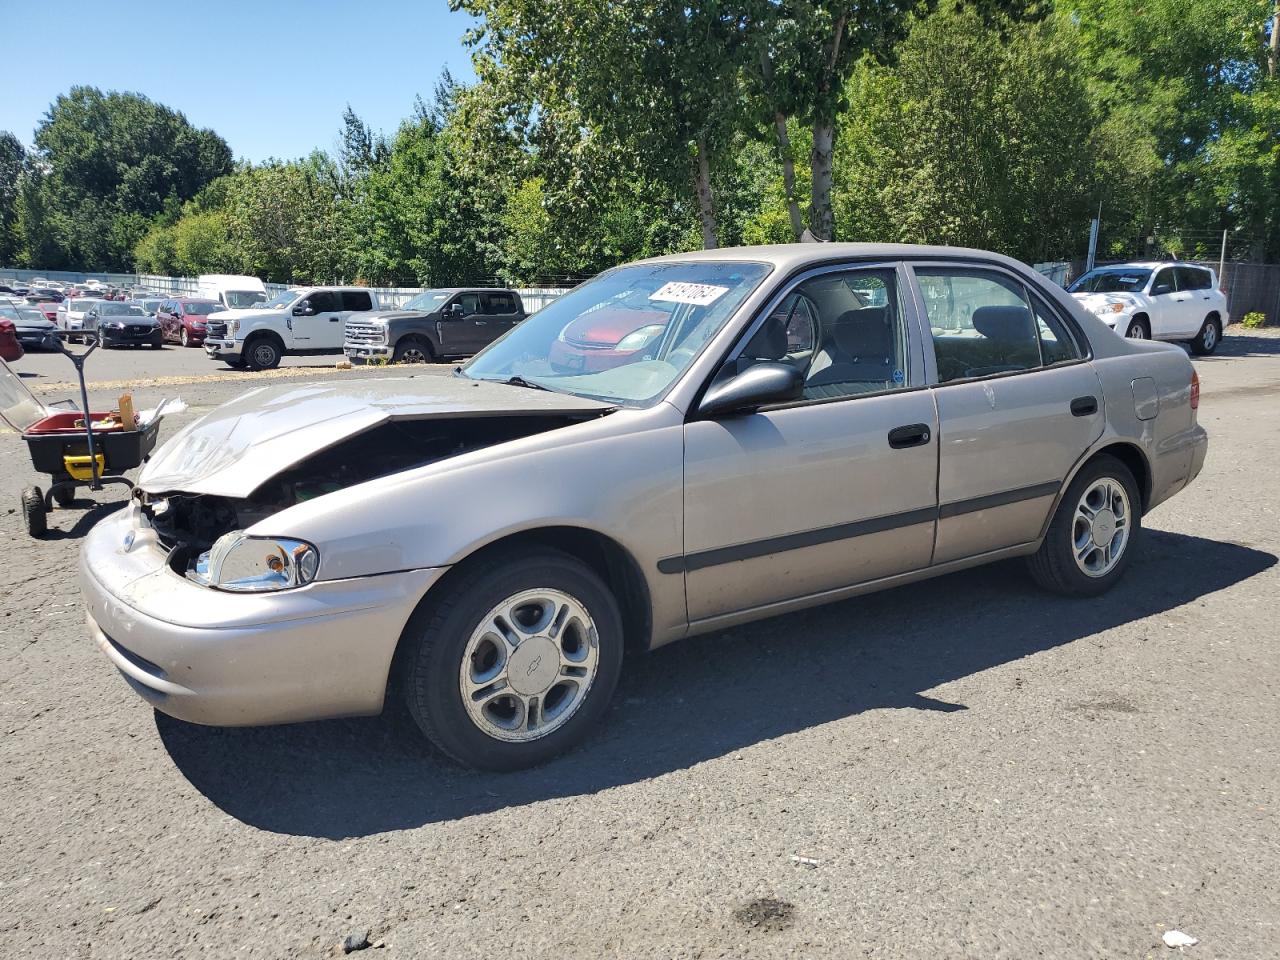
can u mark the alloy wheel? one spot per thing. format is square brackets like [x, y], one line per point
[1100, 528]
[529, 665]
[1136, 331]
[1209, 337]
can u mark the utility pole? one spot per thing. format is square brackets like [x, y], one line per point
[1094, 225]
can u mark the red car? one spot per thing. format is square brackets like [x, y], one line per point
[50, 310]
[607, 337]
[10, 348]
[182, 320]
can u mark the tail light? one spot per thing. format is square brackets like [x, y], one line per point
[1195, 390]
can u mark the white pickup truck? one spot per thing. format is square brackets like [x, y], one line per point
[1157, 301]
[306, 320]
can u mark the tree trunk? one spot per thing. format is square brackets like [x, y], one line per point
[1273, 58]
[822, 219]
[788, 173]
[706, 204]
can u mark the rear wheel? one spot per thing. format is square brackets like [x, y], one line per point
[412, 349]
[262, 354]
[1138, 329]
[1092, 533]
[1208, 338]
[34, 514]
[516, 663]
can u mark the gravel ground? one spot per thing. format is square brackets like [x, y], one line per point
[975, 769]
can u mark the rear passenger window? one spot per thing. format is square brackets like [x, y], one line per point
[1193, 278]
[356, 300]
[1056, 344]
[981, 323]
[498, 304]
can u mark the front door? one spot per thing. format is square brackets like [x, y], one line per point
[836, 489]
[1168, 304]
[321, 326]
[1018, 405]
[463, 326]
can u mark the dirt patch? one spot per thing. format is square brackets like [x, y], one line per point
[767, 914]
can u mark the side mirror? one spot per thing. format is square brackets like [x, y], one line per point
[455, 310]
[766, 382]
[304, 309]
[1160, 289]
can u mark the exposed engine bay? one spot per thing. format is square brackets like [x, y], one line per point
[188, 524]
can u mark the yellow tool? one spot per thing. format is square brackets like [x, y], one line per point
[81, 467]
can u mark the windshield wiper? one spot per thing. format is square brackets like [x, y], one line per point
[518, 381]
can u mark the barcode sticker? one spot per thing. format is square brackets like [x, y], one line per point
[699, 294]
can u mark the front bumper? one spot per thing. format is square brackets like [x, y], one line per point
[229, 659]
[38, 339]
[110, 337]
[365, 352]
[222, 349]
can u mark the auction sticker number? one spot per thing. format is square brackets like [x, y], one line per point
[699, 294]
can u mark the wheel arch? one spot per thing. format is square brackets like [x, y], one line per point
[604, 555]
[1131, 455]
[268, 334]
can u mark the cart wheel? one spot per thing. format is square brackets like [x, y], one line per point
[63, 496]
[33, 511]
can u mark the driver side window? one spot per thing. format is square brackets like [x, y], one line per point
[1162, 283]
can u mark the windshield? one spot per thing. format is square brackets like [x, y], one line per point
[1112, 280]
[279, 301]
[84, 304]
[428, 301]
[200, 308]
[624, 336]
[112, 309]
[239, 299]
[27, 315]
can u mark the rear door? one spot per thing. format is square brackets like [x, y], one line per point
[501, 312]
[1197, 284]
[1018, 405]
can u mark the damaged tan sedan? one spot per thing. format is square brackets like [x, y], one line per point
[676, 446]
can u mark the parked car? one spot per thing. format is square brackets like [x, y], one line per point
[435, 325]
[297, 322]
[483, 546]
[10, 347]
[232, 291]
[33, 329]
[123, 325]
[1157, 301]
[44, 295]
[71, 313]
[182, 320]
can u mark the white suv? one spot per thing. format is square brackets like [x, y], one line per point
[303, 321]
[1157, 301]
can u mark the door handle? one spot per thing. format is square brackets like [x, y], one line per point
[482, 323]
[912, 435]
[1084, 406]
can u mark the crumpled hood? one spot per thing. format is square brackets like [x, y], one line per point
[234, 449]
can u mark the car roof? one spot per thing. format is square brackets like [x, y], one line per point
[794, 256]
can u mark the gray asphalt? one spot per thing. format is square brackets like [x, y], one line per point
[975, 769]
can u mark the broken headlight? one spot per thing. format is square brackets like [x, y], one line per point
[246, 564]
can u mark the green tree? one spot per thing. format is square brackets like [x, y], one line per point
[980, 135]
[112, 162]
[12, 160]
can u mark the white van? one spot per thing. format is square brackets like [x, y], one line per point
[232, 291]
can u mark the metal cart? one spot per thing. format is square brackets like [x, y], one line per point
[75, 450]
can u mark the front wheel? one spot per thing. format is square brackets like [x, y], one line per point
[1208, 338]
[1138, 330]
[1092, 533]
[262, 354]
[184, 338]
[34, 514]
[518, 661]
[412, 349]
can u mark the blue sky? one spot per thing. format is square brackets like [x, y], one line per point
[272, 77]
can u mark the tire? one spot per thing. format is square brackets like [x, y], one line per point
[1055, 567]
[261, 353]
[157, 346]
[63, 496]
[443, 636]
[1138, 329]
[1208, 338]
[34, 514]
[413, 349]
[184, 338]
